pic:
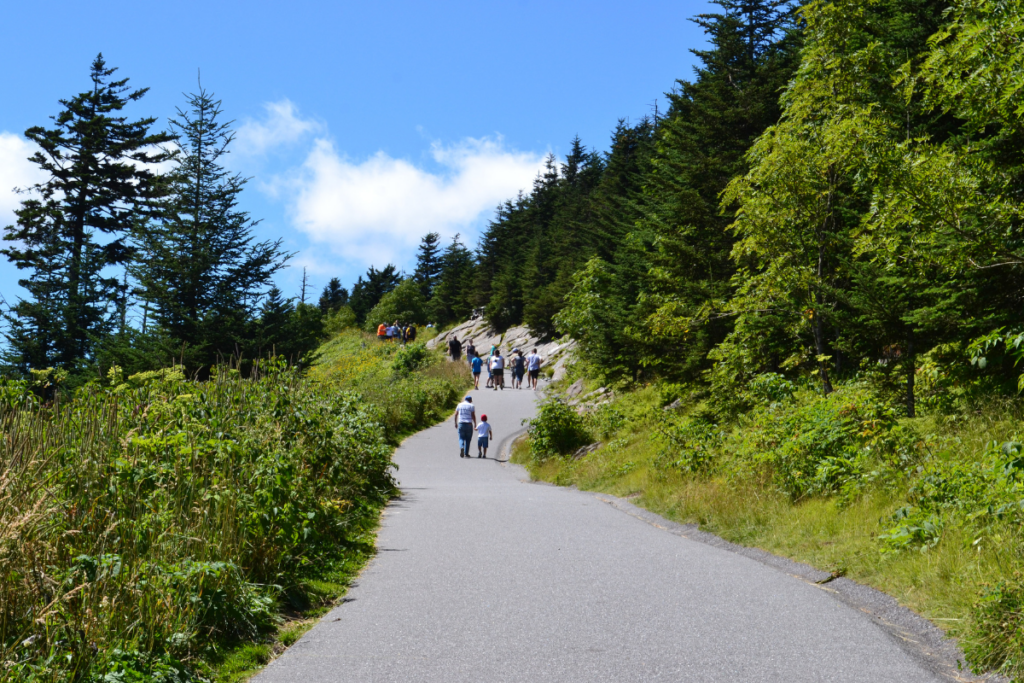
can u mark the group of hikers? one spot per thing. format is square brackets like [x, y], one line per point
[519, 365]
[396, 332]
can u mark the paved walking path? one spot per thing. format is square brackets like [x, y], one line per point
[483, 577]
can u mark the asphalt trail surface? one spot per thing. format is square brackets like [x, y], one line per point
[482, 576]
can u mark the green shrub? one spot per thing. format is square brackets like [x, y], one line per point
[994, 640]
[557, 430]
[411, 357]
[690, 445]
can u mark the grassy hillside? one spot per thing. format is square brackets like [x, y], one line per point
[926, 509]
[159, 529]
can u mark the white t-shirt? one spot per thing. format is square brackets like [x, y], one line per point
[465, 411]
[497, 362]
[533, 362]
[483, 429]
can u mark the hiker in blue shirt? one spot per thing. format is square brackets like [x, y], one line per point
[478, 364]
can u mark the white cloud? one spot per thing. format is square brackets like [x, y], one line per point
[15, 171]
[281, 126]
[375, 211]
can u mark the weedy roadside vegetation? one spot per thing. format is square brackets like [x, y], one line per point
[159, 529]
[928, 510]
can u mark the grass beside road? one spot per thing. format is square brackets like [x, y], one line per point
[153, 528]
[926, 510]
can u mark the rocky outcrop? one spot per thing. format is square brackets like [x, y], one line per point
[555, 353]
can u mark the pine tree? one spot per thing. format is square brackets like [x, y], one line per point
[275, 324]
[711, 124]
[453, 295]
[428, 264]
[367, 293]
[333, 297]
[200, 269]
[100, 183]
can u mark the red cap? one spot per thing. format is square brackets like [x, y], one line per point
[483, 417]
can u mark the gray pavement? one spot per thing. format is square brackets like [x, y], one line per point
[482, 576]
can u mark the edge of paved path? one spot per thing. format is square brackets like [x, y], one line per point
[914, 634]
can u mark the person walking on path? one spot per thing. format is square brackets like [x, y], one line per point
[470, 351]
[454, 348]
[410, 333]
[382, 332]
[518, 365]
[483, 437]
[533, 363]
[498, 370]
[465, 423]
[490, 375]
[477, 363]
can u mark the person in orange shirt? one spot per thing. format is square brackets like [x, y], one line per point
[382, 332]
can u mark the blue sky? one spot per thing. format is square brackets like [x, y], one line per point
[362, 125]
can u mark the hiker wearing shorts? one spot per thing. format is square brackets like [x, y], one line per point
[465, 423]
[477, 363]
[533, 363]
[484, 436]
[498, 370]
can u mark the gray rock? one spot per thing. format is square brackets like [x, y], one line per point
[575, 389]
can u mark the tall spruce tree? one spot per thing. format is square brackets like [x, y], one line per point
[367, 293]
[200, 269]
[100, 183]
[333, 297]
[453, 295]
[712, 122]
[428, 264]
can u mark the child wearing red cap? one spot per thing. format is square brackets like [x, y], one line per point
[484, 435]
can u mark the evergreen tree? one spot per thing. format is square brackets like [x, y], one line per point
[712, 122]
[200, 269]
[367, 293]
[333, 297]
[275, 324]
[100, 184]
[428, 264]
[453, 295]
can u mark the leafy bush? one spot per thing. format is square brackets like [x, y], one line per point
[176, 513]
[557, 430]
[691, 445]
[819, 447]
[411, 357]
[771, 387]
[995, 636]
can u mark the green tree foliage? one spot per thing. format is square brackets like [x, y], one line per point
[453, 295]
[404, 303]
[333, 297]
[428, 264]
[200, 270]
[366, 293]
[711, 123]
[74, 227]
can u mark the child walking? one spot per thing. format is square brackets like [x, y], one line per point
[484, 435]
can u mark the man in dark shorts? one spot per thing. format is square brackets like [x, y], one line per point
[533, 363]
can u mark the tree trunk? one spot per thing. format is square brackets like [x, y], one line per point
[911, 369]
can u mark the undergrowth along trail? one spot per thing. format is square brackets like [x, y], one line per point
[151, 527]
